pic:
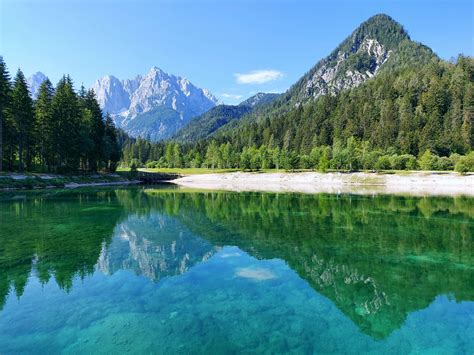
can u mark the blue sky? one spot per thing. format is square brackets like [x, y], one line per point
[232, 47]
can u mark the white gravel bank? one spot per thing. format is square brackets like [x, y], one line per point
[416, 183]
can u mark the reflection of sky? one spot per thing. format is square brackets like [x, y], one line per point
[232, 301]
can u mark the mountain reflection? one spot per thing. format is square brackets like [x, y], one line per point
[376, 258]
[154, 246]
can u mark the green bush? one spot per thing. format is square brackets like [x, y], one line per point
[133, 169]
[403, 162]
[427, 161]
[444, 164]
[465, 164]
[383, 163]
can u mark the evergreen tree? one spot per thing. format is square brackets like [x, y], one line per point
[111, 151]
[5, 96]
[95, 129]
[66, 115]
[44, 124]
[23, 119]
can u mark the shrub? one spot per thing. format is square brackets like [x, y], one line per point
[454, 158]
[151, 164]
[403, 162]
[133, 169]
[383, 163]
[305, 162]
[427, 161]
[444, 164]
[465, 164]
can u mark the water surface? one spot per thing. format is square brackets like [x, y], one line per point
[167, 270]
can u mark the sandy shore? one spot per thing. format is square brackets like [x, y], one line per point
[416, 183]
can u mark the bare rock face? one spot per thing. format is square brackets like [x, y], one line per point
[334, 76]
[154, 105]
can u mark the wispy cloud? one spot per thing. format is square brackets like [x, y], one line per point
[258, 76]
[232, 96]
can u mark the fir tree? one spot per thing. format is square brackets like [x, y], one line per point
[44, 124]
[23, 119]
[5, 96]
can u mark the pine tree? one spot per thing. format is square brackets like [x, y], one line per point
[95, 129]
[23, 118]
[5, 96]
[112, 147]
[66, 115]
[43, 123]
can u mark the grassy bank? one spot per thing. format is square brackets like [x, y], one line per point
[38, 181]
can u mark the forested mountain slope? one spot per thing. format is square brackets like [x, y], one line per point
[411, 110]
[378, 45]
[203, 126]
[413, 101]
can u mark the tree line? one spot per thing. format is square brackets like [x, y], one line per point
[351, 156]
[60, 131]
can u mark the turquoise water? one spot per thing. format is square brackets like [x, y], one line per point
[166, 270]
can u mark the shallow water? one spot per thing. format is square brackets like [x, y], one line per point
[167, 270]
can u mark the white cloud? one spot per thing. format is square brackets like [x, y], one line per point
[232, 96]
[258, 76]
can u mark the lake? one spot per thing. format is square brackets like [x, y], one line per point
[169, 270]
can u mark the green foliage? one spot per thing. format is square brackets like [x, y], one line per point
[62, 131]
[383, 163]
[465, 164]
[428, 161]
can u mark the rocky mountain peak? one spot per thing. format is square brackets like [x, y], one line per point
[34, 82]
[143, 104]
[359, 57]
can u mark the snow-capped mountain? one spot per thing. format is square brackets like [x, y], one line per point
[34, 82]
[154, 105]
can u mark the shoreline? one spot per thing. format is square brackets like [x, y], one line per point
[37, 181]
[412, 183]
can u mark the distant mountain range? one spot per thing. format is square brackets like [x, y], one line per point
[155, 105]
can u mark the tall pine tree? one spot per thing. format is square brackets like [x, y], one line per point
[66, 115]
[5, 92]
[23, 119]
[44, 124]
